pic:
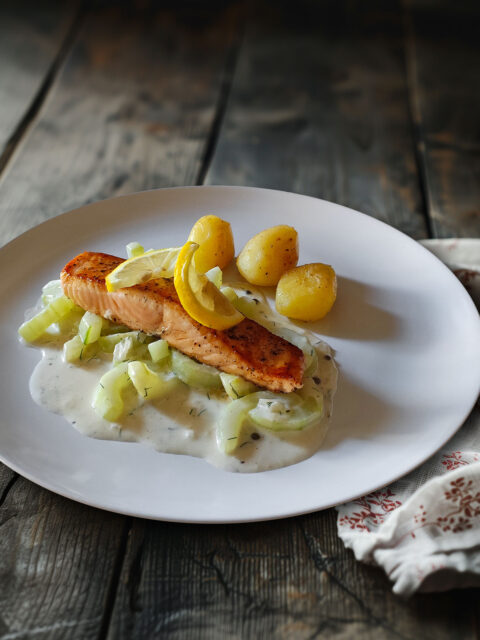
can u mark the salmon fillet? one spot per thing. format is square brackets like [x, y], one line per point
[248, 349]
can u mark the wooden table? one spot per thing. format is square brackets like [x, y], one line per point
[374, 105]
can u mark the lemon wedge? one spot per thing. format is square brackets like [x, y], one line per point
[140, 269]
[199, 297]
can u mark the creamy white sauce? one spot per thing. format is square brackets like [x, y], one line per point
[183, 422]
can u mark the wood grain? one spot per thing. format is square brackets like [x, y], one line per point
[319, 106]
[131, 110]
[31, 34]
[444, 71]
[290, 579]
[56, 559]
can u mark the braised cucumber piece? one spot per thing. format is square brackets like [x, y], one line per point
[108, 343]
[193, 373]
[287, 412]
[50, 291]
[134, 249]
[129, 349]
[151, 384]
[56, 310]
[273, 411]
[74, 350]
[215, 275]
[107, 399]
[90, 327]
[236, 386]
[158, 350]
[230, 423]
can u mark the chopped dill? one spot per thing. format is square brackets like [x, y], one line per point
[200, 412]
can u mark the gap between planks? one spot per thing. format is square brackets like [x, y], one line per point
[413, 109]
[115, 579]
[39, 99]
[222, 102]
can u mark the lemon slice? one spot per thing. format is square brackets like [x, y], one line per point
[199, 297]
[139, 269]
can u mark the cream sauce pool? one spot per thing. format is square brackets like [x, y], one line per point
[183, 422]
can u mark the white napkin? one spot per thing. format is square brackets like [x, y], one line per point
[424, 530]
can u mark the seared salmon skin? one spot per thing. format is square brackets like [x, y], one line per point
[247, 349]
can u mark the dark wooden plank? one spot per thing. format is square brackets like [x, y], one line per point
[56, 559]
[31, 35]
[286, 579]
[132, 110]
[319, 106]
[444, 71]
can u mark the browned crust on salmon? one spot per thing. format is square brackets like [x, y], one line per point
[248, 349]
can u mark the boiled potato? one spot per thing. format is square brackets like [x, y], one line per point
[269, 254]
[215, 238]
[307, 292]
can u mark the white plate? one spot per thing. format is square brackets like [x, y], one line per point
[406, 334]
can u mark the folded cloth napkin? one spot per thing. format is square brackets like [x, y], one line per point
[424, 530]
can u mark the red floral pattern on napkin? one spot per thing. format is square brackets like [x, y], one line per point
[415, 529]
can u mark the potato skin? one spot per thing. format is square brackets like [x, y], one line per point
[307, 292]
[215, 238]
[268, 255]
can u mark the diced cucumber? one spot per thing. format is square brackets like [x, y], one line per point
[215, 275]
[108, 343]
[107, 399]
[129, 349]
[287, 412]
[75, 351]
[158, 350]
[236, 386]
[57, 309]
[230, 423]
[151, 384]
[50, 291]
[72, 349]
[90, 327]
[193, 373]
[273, 411]
[134, 249]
